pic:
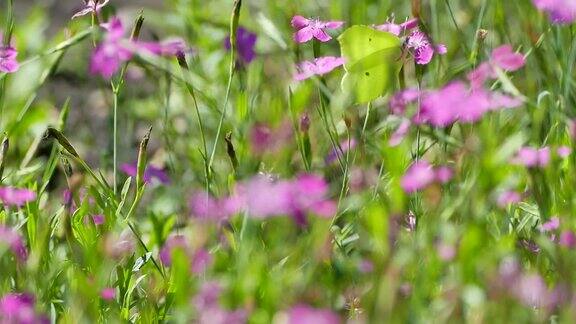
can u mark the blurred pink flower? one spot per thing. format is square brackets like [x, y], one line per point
[444, 174]
[568, 239]
[14, 241]
[313, 28]
[265, 139]
[304, 314]
[505, 58]
[340, 152]
[112, 52]
[199, 258]
[531, 290]
[16, 197]
[551, 225]
[108, 294]
[98, 219]
[91, 6]
[168, 47]
[319, 66]
[559, 11]
[418, 176]
[445, 251]
[150, 173]
[508, 197]
[120, 245]
[400, 133]
[564, 151]
[8, 62]
[401, 99]
[209, 309]
[532, 157]
[19, 309]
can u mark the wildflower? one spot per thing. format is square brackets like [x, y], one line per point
[15, 242]
[313, 28]
[8, 62]
[341, 151]
[112, 52]
[559, 11]
[210, 311]
[551, 225]
[422, 48]
[98, 219]
[568, 239]
[400, 133]
[19, 308]
[90, 6]
[419, 175]
[531, 290]
[319, 66]
[564, 151]
[150, 173]
[108, 294]
[446, 252]
[531, 157]
[444, 174]
[199, 259]
[395, 29]
[120, 245]
[505, 58]
[401, 99]
[304, 314]
[265, 139]
[507, 198]
[245, 43]
[16, 197]
[169, 47]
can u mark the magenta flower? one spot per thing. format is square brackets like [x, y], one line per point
[199, 259]
[16, 197]
[112, 52]
[418, 176]
[265, 139]
[421, 47]
[505, 58]
[304, 314]
[91, 6]
[395, 29]
[313, 28]
[98, 219]
[151, 173]
[118, 246]
[507, 198]
[568, 239]
[532, 157]
[551, 225]
[108, 294]
[401, 99]
[245, 43]
[19, 309]
[15, 242]
[319, 66]
[444, 174]
[8, 62]
[445, 251]
[209, 309]
[169, 47]
[400, 133]
[559, 11]
[336, 153]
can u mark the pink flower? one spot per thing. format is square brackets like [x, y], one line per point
[446, 252]
[8, 62]
[108, 294]
[505, 58]
[444, 174]
[304, 314]
[121, 245]
[401, 99]
[313, 28]
[422, 49]
[265, 139]
[151, 173]
[16, 197]
[507, 198]
[15, 242]
[336, 153]
[531, 157]
[568, 239]
[91, 6]
[400, 133]
[199, 259]
[19, 309]
[419, 175]
[559, 11]
[112, 52]
[564, 151]
[168, 47]
[481, 74]
[531, 290]
[395, 29]
[551, 225]
[319, 66]
[210, 311]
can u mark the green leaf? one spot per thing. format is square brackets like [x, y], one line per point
[372, 60]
